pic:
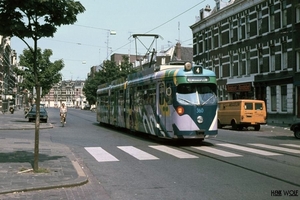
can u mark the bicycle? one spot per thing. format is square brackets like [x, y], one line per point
[63, 119]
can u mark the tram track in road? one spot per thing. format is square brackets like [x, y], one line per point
[297, 155]
[240, 165]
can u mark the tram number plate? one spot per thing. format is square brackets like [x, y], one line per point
[198, 70]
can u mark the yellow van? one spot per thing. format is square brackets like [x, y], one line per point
[242, 113]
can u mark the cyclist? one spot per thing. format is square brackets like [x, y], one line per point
[63, 113]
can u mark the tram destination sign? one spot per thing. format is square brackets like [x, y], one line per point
[197, 79]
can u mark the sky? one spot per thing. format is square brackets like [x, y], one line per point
[88, 42]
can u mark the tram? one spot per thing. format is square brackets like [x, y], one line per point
[173, 101]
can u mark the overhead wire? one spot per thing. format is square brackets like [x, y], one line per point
[164, 24]
[121, 47]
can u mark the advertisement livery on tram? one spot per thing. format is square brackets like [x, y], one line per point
[174, 101]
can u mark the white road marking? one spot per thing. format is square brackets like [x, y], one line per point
[100, 154]
[291, 145]
[277, 148]
[137, 153]
[103, 156]
[217, 152]
[251, 150]
[173, 152]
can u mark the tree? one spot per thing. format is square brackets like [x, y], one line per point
[48, 71]
[35, 19]
[110, 71]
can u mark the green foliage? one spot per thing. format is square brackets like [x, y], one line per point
[48, 72]
[36, 18]
[110, 71]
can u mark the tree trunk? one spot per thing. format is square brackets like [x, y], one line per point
[37, 120]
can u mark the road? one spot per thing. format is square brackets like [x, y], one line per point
[234, 165]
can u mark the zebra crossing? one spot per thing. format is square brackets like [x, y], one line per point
[219, 149]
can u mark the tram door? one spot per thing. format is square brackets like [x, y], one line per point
[114, 117]
[164, 112]
[111, 106]
[131, 114]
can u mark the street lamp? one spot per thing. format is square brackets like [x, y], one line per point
[109, 32]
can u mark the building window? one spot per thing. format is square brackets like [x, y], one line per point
[220, 67]
[231, 31]
[233, 71]
[298, 60]
[217, 71]
[284, 13]
[272, 58]
[284, 98]
[298, 14]
[241, 65]
[284, 61]
[216, 39]
[203, 42]
[259, 22]
[240, 27]
[272, 18]
[220, 37]
[260, 59]
[248, 26]
[248, 63]
[212, 39]
[273, 98]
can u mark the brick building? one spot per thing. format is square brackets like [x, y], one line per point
[254, 48]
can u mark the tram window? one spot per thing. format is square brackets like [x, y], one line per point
[145, 97]
[196, 94]
[161, 93]
[169, 97]
[145, 87]
[121, 97]
[185, 89]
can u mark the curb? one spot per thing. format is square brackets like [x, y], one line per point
[8, 127]
[73, 183]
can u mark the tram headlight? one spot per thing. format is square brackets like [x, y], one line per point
[200, 119]
[187, 66]
[180, 110]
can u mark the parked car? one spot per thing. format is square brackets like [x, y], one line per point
[296, 129]
[87, 107]
[31, 115]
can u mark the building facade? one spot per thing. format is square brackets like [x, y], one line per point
[68, 92]
[8, 78]
[254, 49]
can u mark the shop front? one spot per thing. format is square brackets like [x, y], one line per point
[240, 91]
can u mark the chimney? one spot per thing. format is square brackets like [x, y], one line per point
[207, 8]
[205, 12]
[178, 51]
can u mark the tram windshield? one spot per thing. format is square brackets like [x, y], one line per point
[196, 94]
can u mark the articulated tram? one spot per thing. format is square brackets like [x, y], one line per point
[174, 101]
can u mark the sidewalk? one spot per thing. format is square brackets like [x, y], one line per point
[17, 155]
[17, 121]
